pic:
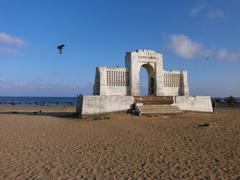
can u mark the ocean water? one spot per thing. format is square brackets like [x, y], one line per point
[48, 100]
[39, 100]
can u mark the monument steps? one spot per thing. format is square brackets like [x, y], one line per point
[153, 100]
[157, 109]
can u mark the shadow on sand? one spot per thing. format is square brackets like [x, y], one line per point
[52, 114]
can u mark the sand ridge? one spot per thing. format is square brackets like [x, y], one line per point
[121, 146]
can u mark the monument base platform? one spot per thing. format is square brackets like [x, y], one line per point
[89, 105]
[194, 103]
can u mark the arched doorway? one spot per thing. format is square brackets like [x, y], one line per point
[153, 63]
[147, 80]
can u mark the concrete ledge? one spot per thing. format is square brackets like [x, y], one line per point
[194, 103]
[87, 105]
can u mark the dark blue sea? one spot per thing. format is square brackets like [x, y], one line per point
[39, 100]
[48, 100]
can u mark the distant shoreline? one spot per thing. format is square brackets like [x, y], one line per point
[31, 100]
[38, 100]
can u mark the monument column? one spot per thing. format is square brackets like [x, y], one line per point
[132, 66]
[135, 83]
[159, 76]
[103, 81]
[185, 83]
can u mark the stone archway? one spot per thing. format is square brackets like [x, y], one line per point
[151, 79]
[152, 62]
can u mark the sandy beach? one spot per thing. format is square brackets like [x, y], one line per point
[118, 145]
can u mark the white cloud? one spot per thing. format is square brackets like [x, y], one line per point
[9, 44]
[203, 9]
[215, 13]
[9, 39]
[187, 48]
[224, 54]
[10, 50]
[198, 9]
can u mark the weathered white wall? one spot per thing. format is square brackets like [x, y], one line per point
[116, 84]
[194, 103]
[171, 91]
[117, 90]
[88, 105]
[175, 83]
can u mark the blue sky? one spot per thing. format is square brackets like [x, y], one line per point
[99, 32]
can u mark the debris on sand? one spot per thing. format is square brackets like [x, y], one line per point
[203, 125]
[99, 117]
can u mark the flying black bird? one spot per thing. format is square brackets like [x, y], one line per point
[60, 48]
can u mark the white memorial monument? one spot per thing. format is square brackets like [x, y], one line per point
[118, 88]
[125, 80]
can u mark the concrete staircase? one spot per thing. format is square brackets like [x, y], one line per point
[153, 100]
[155, 105]
[156, 109]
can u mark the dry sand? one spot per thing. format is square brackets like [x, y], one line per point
[120, 145]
